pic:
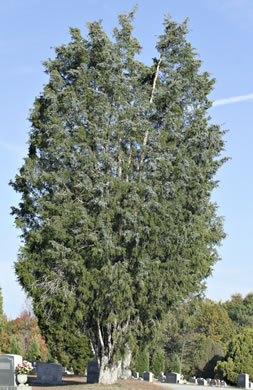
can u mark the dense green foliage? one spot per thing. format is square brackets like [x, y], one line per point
[142, 360]
[239, 357]
[240, 310]
[33, 351]
[68, 346]
[158, 361]
[116, 216]
[196, 337]
[174, 363]
[15, 346]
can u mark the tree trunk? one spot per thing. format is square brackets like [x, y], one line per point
[108, 373]
[124, 372]
[145, 139]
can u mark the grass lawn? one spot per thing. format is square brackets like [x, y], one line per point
[79, 383]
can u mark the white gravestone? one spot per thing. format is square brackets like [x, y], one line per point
[8, 364]
[8, 377]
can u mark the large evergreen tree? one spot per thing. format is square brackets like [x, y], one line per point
[142, 360]
[33, 351]
[158, 361]
[15, 347]
[117, 221]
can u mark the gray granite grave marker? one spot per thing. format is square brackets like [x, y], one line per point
[49, 373]
[92, 372]
[202, 382]
[147, 376]
[243, 381]
[7, 374]
[172, 377]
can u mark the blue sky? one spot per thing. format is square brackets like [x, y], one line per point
[221, 32]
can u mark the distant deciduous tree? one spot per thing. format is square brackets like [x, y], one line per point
[212, 321]
[240, 310]
[24, 328]
[197, 333]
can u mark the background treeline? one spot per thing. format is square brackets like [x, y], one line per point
[201, 337]
[22, 335]
[206, 339]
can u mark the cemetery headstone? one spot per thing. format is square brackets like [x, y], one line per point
[92, 372]
[123, 370]
[193, 379]
[172, 377]
[147, 376]
[135, 374]
[243, 381]
[8, 364]
[202, 382]
[49, 373]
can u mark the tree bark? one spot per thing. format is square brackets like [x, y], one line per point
[108, 373]
[145, 139]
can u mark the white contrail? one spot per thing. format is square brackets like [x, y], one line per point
[234, 99]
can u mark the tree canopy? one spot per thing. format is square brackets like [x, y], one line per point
[240, 310]
[198, 332]
[116, 213]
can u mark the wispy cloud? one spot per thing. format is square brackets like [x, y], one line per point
[234, 99]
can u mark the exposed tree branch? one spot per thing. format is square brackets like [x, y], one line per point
[145, 139]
